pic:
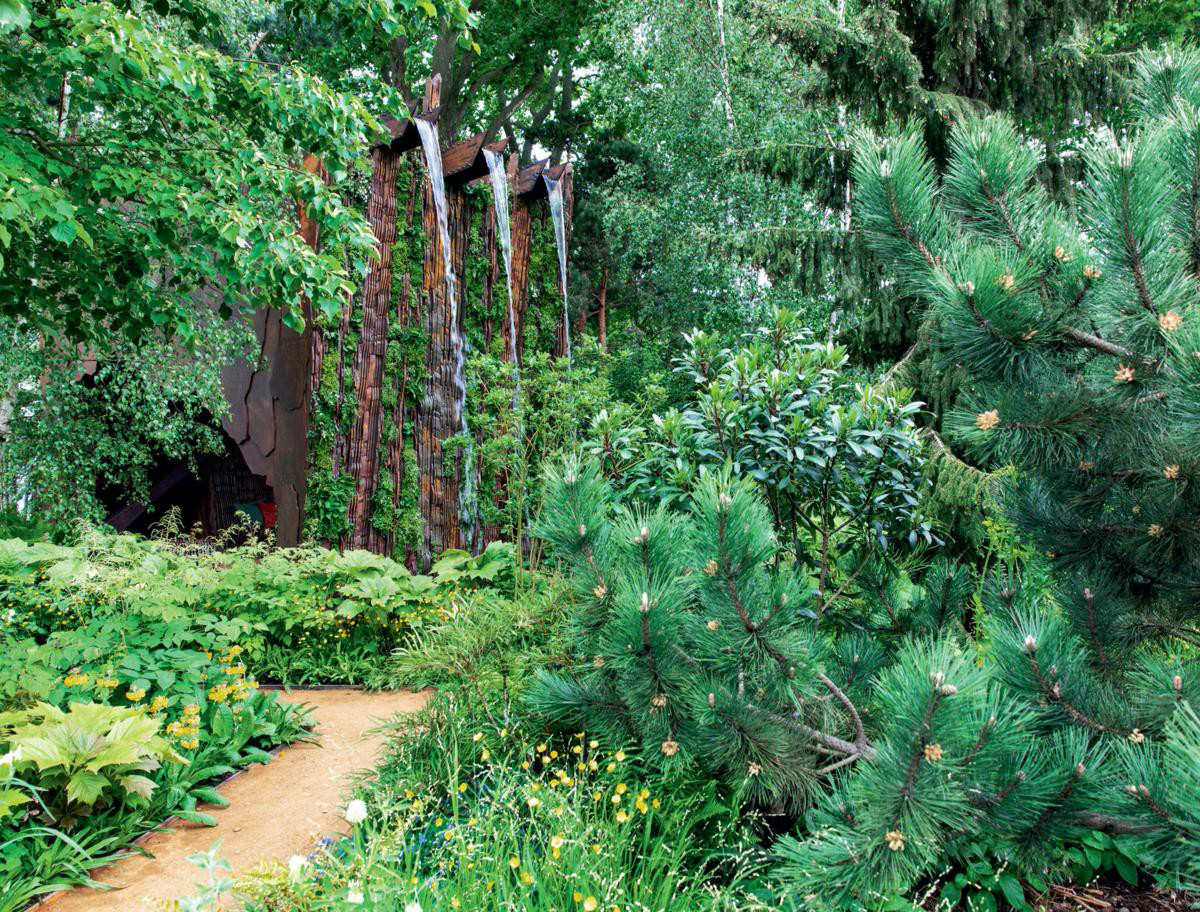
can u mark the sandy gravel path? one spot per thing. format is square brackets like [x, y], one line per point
[276, 810]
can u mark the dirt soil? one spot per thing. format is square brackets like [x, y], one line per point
[276, 810]
[1115, 897]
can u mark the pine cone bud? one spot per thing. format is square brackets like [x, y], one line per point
[582, 531]
[645, 534]
[1030, 643]
[712, 701]
[1177, 682]
[937, 678]
[1080, 769]
[645, 603]
[949, 690]
[885, 169]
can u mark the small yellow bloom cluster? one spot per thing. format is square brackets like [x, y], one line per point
[77, 679]
[187, 727]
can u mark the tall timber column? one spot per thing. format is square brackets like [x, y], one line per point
[362, 446]
[362, 456]
[528, 187]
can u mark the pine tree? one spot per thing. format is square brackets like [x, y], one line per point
[691, 640]
[1079, 340]
[911, 749]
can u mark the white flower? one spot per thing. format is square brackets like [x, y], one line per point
[14, 755]
[354, 893]
[413, 906]
[296, 867]
[356, 811]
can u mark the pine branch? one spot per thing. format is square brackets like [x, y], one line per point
[1053, 694]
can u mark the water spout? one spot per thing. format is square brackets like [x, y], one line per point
[499, 180]
[558, 215]
[433, 163]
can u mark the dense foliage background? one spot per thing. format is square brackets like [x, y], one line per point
[852, 560]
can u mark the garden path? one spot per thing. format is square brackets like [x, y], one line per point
[276, 810]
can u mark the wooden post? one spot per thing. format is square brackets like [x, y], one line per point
[602, 315]
[438, 416]
[407, 313]
[521, 220]
[362, 458]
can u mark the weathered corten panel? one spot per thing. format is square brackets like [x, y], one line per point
[362, 458]
[268, 418]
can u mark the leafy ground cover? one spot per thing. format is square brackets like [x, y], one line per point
[130, 674]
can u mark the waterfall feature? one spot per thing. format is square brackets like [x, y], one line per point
[499, 179]
[433, 163]
[558, 216]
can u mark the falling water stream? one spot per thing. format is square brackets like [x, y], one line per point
[558, 215]
[433, 163]
[499, 179]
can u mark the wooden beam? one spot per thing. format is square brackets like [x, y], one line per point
[464, 161]
[403, 131]
[528, 182]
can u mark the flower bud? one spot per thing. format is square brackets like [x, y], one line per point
[1030, 643]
